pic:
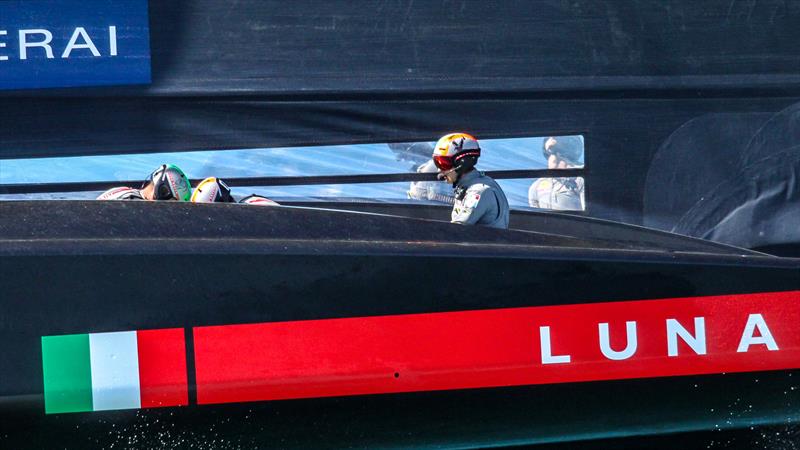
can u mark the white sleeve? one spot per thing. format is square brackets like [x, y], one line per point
[533, 195]
[121, 193]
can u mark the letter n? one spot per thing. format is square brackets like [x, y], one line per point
[696, 342]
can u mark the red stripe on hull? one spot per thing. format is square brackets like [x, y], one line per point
[487, 348]
[162, 367]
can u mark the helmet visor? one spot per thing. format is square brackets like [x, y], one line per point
[443, 162]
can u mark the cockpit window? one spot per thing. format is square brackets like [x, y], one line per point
[512, 161]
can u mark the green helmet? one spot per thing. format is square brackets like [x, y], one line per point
[169, 183]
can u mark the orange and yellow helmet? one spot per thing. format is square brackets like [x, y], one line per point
[459, 151]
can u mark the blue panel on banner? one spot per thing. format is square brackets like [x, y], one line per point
[63, 43]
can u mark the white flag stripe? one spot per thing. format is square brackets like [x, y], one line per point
[115, 370]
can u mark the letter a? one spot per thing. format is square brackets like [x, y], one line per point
[547, 352]
[756, 321]
[87, 43]
[605, 345]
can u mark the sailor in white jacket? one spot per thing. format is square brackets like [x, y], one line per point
[562, 193]
[479, 200]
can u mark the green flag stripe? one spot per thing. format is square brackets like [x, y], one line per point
[67, 373]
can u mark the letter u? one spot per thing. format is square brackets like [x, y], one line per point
[605, 343]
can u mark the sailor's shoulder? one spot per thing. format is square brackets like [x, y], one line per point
[543, 183]
[258, 200]
[480, 182]
[121, 193]
[478, 191]
[479, 188]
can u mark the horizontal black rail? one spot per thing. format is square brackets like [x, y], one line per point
[44, 188]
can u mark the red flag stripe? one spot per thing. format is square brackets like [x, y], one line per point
[486, 348]
[162, 367]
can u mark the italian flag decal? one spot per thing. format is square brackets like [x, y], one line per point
[120, 370]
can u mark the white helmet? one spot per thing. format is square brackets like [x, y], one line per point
[212, 190]
[459, 151]
[169, 183]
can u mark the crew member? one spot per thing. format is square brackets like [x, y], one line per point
[167, 182]
[430, 190]
[214, 190]
[563, 193]
[478, 198]
[258, 200]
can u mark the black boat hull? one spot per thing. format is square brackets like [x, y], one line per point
[57, 284]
